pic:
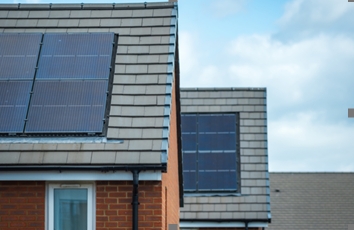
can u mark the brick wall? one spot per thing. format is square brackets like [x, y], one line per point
[170, 180]
[114, 209]
[22, 205]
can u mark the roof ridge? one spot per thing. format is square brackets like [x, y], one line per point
[88, 6]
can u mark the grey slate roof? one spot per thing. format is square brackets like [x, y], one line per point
[312, 201]
[253, 201]
[138, 127]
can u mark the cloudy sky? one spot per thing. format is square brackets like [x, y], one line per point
[301, 50]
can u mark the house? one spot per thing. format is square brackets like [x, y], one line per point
[312, 200]
[225, 160]
[89, 116]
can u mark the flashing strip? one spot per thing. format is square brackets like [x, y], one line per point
[78, 176]
[233, 224]
[57, 140]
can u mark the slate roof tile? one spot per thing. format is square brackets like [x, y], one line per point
[59, 14]
[16, 14]
[310, 200]
[103, 157]
[79, 157]
[31, 158]
[9, 157]
[38, 14]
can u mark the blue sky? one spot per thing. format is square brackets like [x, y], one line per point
[301, 50]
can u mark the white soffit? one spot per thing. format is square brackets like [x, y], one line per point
[78, 176]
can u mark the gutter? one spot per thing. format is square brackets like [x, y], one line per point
[102, 168]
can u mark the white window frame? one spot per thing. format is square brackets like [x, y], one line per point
[91, 217]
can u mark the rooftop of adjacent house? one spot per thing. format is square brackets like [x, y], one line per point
[250, 203]
[312, 200]
[141, 90]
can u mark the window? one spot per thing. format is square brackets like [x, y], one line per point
[210, 152]
[70, 207]
[54, 83]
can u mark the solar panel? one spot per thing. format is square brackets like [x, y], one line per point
[76, 56]
[18, 55]
[217, 161]
[14, 97]
[189, 123]
[209, 144]
[189, 142]
[216, 122]
[67, 106]
[217, 180]
[189, 180]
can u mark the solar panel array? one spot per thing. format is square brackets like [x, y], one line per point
[209, 152]
[69, 89]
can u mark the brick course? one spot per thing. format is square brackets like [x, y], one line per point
[22, 205]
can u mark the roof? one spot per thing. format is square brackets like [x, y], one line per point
[143, 84]
[312, 200]
[252, 203]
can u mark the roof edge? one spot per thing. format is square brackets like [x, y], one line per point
[88, 6]
[224, 89]
[311, 172]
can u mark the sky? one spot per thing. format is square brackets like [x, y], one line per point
[302, 51]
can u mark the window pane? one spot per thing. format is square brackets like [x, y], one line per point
[70, 209]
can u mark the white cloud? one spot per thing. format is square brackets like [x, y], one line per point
[306, 18]
[291, 69]
[224, 8]
[315, 11]
[302, 143]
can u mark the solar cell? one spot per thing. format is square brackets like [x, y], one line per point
[216, 122]
[189, 180]
[76, 56]
[18, 55]
[67, 106]
[216, 161]
[14, 97]
[214, 141]
[189, 142]
[217, 180]
[189, 123]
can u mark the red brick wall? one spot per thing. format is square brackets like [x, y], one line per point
[22, 205]
[114, 209]
[170, 180]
